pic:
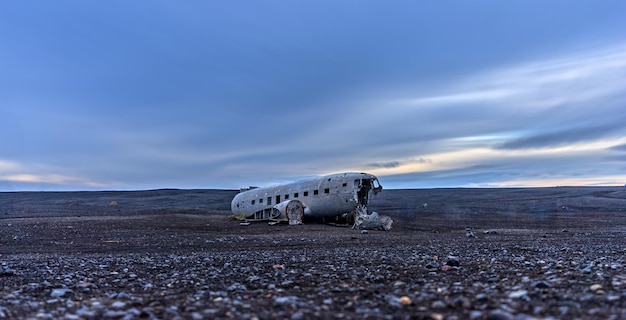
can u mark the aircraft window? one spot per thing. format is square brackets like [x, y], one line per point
[306, 193]
[315, 192]
[326, 190]
[253, 201]
[269, 200]
[295, 195]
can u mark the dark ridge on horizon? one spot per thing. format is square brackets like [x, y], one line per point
[108, 191]
[384, 189]
[503, 188]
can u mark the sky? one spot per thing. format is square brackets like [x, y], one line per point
[148, 94]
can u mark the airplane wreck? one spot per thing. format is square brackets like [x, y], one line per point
[338, 198]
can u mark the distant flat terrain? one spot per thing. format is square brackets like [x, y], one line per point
[412, 209]
[538, 252]
[534, 201]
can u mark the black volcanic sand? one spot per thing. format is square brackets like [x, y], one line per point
[555, 253]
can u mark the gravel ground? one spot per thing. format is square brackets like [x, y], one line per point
[84, 257]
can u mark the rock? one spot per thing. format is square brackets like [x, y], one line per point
[286, 300]
[61, 292]
[499, 315]
[436, 316]
[541, 285]
[595, 287]
[433, 265]
[469, 233]
[461, 302]
[482, 297]
[123, 295]
[519, 294]
[7, 272]
[237, 287]
[453, 261]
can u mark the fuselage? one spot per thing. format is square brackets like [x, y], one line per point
[326, 196]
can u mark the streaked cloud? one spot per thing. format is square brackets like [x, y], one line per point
[564, 137]
[15, 176]
[621, 147]
[52, 179]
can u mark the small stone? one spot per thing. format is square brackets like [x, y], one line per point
[453, 261]
[124, 295]
[297, 315]
[461, 302]
[237, 287]
[287, 299]
[118, 304]
[519, 294]
[499, 315]
[482, 297]
[541, 285]
[436, 316]
[57, 293]
[7, 272]
[595, 287]
[433, 265]
[438, 304]
[112, 314]
[612, 298]
[404, 300]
